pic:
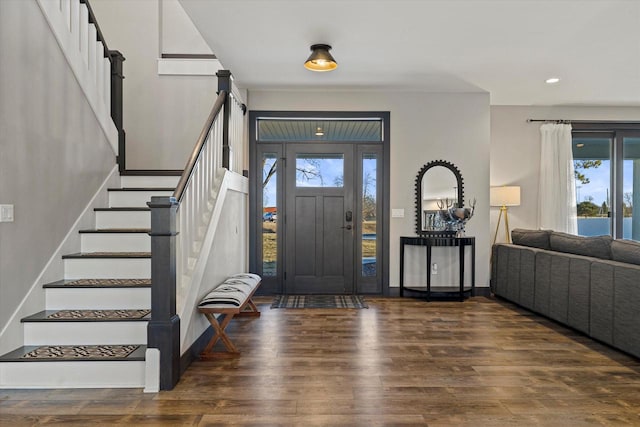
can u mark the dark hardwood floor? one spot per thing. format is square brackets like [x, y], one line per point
[482, 362]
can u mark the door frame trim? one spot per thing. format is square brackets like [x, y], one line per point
[385, 117]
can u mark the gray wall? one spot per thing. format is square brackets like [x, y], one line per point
[515, 152]
[163, 115]
[53, 154]
[424, 127]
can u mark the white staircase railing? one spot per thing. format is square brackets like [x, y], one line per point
[97, 69]
[179, 224]
[79, 36]
[195, 206]
[237, 126]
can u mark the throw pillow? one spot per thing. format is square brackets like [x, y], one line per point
[625, 251]
[533, 238]
[595, 246]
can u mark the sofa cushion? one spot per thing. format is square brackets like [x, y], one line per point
[532, 238]
[596, 246]
[625, 251]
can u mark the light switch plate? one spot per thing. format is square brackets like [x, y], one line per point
[397, 213]
[6, 213]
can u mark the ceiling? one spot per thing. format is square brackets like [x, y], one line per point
[334, 130]
[507, 48]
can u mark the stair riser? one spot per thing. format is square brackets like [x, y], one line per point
[123, 219]
[107, 268]
[115, 242]
[135, 199]
[81, 333]
[70, 374]
[130, 181]
[98, 298]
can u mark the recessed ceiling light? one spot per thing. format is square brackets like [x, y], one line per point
[552, 80]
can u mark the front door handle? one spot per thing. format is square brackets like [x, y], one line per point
[348, 227]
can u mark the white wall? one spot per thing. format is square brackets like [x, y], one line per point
[228, 256]
[515, 152]
[424, 127]
[54, 156]
[178, 34]
[163, 114]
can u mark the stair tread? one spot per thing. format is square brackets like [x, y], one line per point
[79, 353]
[141, 189]
[90, 316]
[116, 230]
[92, 255]
[100, 283]
[122, 209]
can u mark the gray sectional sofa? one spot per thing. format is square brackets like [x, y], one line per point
[591, 284]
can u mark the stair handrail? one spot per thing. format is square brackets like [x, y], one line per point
[116, 58]
[94, 21]
[179, 192]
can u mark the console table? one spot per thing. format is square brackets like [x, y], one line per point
[430, 241]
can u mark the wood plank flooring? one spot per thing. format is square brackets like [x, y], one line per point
[404, 362]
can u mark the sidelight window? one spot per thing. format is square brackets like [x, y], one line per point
[269, 214]
[369, 215]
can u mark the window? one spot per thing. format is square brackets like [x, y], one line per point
[269, 214]
[320, 170]
[607, 167]
[369, 214]
[592, 164]
[273, 129]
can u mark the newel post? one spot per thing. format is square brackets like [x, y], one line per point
[224, 83]
[117, 76]
[163, 331]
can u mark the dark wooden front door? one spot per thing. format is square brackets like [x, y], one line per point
[319, 220]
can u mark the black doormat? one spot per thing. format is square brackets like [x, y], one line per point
[319, 301]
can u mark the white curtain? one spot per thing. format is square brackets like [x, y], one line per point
[557, 192]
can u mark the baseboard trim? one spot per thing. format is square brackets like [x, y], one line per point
[482, 292]
[194, 350]
[477, 292]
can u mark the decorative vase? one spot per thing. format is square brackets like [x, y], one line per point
[458, 218]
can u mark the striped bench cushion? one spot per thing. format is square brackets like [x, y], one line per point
[233, 292]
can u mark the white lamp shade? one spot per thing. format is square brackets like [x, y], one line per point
[504, 196]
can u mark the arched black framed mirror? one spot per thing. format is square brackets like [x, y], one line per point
[439, 186]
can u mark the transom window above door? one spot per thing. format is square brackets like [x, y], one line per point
[274, 129]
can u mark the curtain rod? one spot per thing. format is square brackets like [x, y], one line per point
[549, 121]
[583, 121]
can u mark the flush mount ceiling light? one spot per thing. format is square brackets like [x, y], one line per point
[319, 131]
[552, 80]
[320, 59]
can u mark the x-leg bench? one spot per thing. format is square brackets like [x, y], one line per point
[227, 311]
